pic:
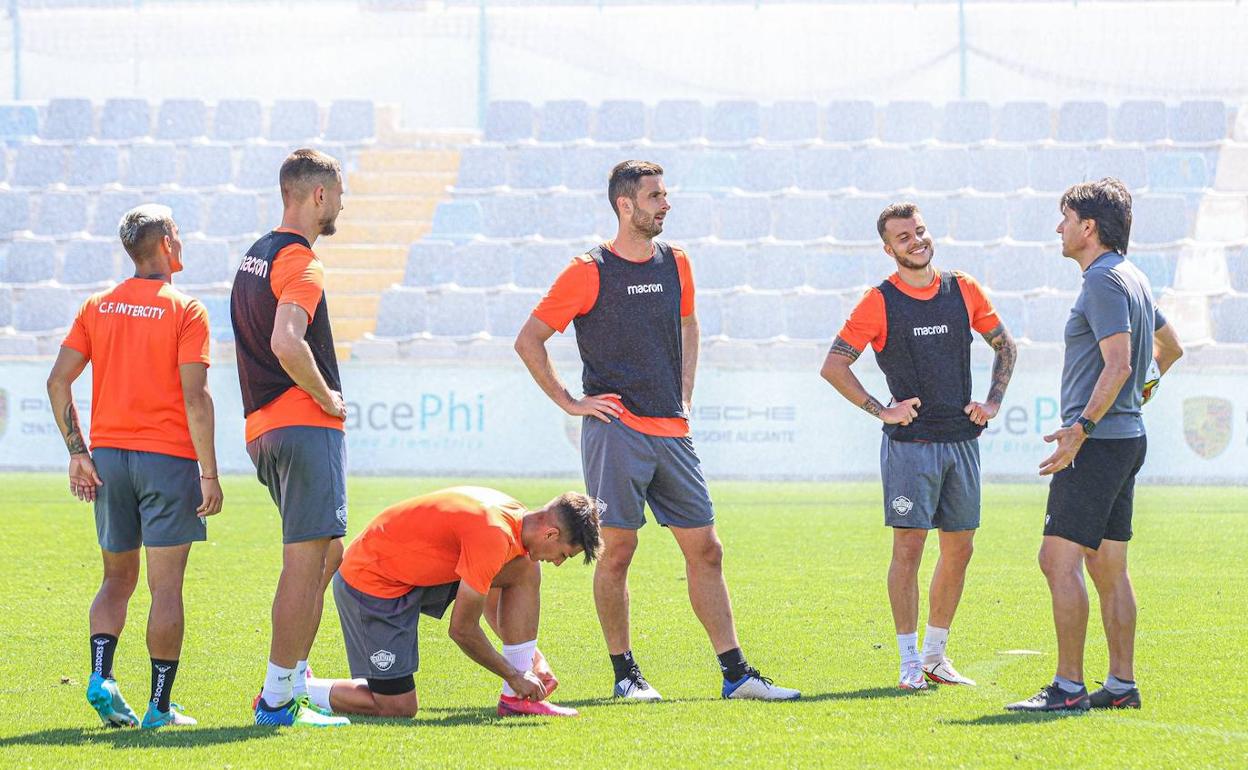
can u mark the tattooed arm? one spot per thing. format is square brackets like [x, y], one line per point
[83, 480]
[836, 371]
[1006, 353]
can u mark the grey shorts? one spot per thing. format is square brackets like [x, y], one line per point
[305, 469]
[380, 634]
[930, 485]
[148, 499]
[626, 469]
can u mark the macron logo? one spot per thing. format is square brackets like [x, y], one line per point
[645, 288]
[254, 265]
[924, 331]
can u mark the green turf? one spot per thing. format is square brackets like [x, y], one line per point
[805, 563]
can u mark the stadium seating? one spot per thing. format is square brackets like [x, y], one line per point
[908, 122]
[507, 311]
[236, 120]
[122, 119]
[814, 316]
[30, 260]
[294, 120]
[43, 309]
[68, 120]
[966, 123]
[61, 213]
[1198, 122]
[1024, 122]
[351, 120]
[677, 121]
[18, 121]
[182, 120]
[508, 121]
[1237, 271]
[998, 169]
[89, 262]
[207, 165]
[110, 206]
[93, 165]
[205, 262]
[534, 168]
[1084, 122]
[620, 121]
[734, 122]
[14, 211]
[564, 121]
[1140, 121]
[38, 165]
[151, 164]
[849, 121]
[1229, 318]
[792, 121]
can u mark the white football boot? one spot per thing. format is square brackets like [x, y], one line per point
[943, 672]
[635, 687]
[912, 677]
[755, 686]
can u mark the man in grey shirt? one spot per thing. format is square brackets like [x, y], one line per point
[1112, 335]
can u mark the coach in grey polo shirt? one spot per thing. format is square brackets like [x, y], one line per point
[1113, 334]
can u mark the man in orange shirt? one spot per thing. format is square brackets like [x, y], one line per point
[295, 414]
[473, 546]
[152, 469]
[632, 303]
[919, 322]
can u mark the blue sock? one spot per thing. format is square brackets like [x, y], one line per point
[1119, 686]
[1067, 685]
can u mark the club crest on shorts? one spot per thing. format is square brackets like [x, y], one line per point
[341, 513]
[902, 505]
[382, 660]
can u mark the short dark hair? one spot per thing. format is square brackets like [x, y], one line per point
[142, 226]
[579, 522]
[306, 168]
[903, 210]
[626, 178]
[1106, 202]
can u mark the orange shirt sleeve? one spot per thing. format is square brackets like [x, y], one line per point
[983, 315]
[685, 270]
[298, 278]
[867, 324]
[482, 555]
[573, 293]
[193, 336]
[78, 338]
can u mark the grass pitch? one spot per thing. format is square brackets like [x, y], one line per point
[806, 566]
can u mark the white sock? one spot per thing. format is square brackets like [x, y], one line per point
[519, 656]
[278, 685]
[934, 642]
[908, 646]
[318, 692]
[300, 682]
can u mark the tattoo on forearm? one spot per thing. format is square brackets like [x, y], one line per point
[73, 438]
[842, 348]
[1002, 363]
[871, 406]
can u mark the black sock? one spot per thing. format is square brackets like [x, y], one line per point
[732, 664]
[102, 648]
[622, 663]
[163, 672]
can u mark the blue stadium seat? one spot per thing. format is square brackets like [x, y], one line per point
[43, 309]
[402, 312]
[182, 120]
[534, 168]
[1158, 266]
[208, 165]
[508, 121]
[966, 123]
[68, 120]
[743, 217]
[677, 162]
[977, 219]
[1127, 164]
[122, 119]
[854, 218]
[588, 168]
[237, 119]
[1017, 267]
[792, 121]
[970, 258]
[942, 169]
[61, 213]
[841, 269]
[713, 170]
[18, 121]
[187, 209]
[734, 122]
[294, 120]
[259, 166]
[721, 266]
[937, 211]
[998, 169]
[677, 121]
[1047, 315]
[30, 260]
[206, 261]
[351, 120]
[509, 216]
[1010, 310]
[457, 313]
[1024, 122]
[1034, 218]
[508, 310]
[110, 207]
[1053, 169]
[536, 265]
[1177, 171]
[1083, 122]
[233, 213]
[218, 309]
[38, 165]
[811, 316]
[6, 306]
[151, 164]
[1158, 219]
[802, 217]
[1228, 318]
[1140, 121]
[94, 165]
[89, 262]
[692, 217]
[777, 266]
[1060, 274]
[825, 169]
[883, 169]
[483, 264]
[766, 169]
[14, 211]
[908, 122]
[752, 316]
[710, 312]
[1237, 270]
[570, 217]
[457, 220]
[431, 263]
[1198, 122]
[564, 120]
[622, 120]
[849, 121]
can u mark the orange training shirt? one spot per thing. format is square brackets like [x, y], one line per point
[461, 533]
[868, 323]
[136, 335]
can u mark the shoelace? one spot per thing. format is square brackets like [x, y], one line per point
[751, 671]
[634, 674]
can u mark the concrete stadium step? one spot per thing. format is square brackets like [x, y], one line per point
[382, 231]
[352, 305]
[349, 329]
[408, 160]
[360, 281]
[355, 256]
[342, 350]
[391, 207]
[399, 182]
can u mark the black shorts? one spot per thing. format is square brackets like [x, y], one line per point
[1092, 500]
